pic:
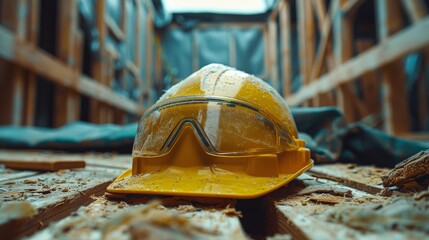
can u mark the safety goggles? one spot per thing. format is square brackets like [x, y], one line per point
[223, 125]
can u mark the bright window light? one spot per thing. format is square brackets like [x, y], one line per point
[216, 6]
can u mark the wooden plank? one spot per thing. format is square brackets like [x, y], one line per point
[412, 168]
[285, 35]
[408, 40]
[324, 51]
[343, 50]
[351, 6]
[394, 79]
[149, 53]
[54, 195]
[266, 51]
[416, 9]
[45, 65]
[30, 87]
[325, 46]
[137, 33]
[67, 103]
[370, 81]
[364, 178]
[272, 53]
[7, 175]
[301, 11]
[42, 164]
[14, 17]
[107, 160]
[169, 218]
[113, 28]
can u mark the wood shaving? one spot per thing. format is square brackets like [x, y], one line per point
[327, 189]
[16, 210]
[31, 181]
[326, 199]
[229, 211]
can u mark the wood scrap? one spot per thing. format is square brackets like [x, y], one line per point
[42, 164]
[326, 199]
[16, 210]
[415, 167]
[328, 189]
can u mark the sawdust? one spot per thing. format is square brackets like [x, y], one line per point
[280, 237]
[229, 211]
[31, 181]
[16, 210]
[326, 199]
[422, 195]
[328, 189]
[186, 208]
[401, 214]
[151, 222]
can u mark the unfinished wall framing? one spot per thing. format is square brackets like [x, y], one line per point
[23, 61]
[333, 60]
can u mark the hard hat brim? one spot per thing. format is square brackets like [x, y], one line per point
[202, 181]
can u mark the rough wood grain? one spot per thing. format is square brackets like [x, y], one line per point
[54, 195]
[42, 164]
[408, 170]
[364, 178]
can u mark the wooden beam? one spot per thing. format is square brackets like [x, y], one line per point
[14, 17]
[32, 37]
[113, 28]
[325, 43]
[67, 102]
[343, 50]
[415, 9]
[272, 53]
[266, 52]
[149, 54]
[395, 103]
[408, 40]
[350, 7]
[232, 50]
[137, 32]
[43, 64]
[370, 82]
[285, 34]
[301, 42]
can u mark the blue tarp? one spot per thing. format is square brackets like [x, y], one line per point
[324, 130]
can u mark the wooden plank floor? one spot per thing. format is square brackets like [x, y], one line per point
[339, 201]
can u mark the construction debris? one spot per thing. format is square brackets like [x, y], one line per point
[16, 210]
[408, 170]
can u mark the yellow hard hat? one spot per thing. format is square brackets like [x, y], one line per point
[218, 133]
